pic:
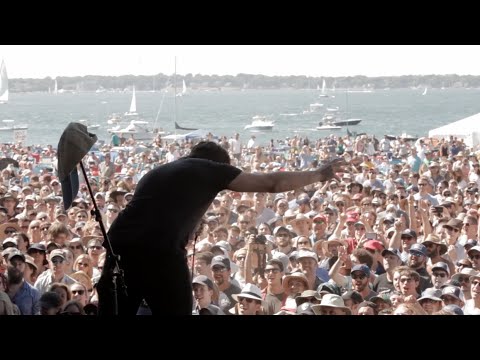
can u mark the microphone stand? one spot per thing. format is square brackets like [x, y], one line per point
[117, 273]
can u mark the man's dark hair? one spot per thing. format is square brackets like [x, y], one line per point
[363, 256]
[210, 151]
[277, 262]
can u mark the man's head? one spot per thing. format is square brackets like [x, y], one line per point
[210, 151]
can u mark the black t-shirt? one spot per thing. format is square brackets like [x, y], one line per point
[168, 203]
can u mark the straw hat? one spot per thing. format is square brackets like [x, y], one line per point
[297, 276]
[331, 300]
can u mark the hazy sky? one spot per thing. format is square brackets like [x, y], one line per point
[39, 61]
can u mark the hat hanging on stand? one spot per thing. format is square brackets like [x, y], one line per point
[74, 144]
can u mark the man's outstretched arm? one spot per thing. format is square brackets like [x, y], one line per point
[284, 181]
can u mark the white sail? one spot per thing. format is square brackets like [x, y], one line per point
[3, 84]
[55, 90]
[425, 91]
[184, 88]
[133, 104]
[324, 89]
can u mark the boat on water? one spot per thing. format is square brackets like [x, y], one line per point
[260, 123]
[404, 136]
[9, 126]
[133, 105]
[328, 127]
[331, 119]
[184, 90]
[324, 89]
[88, 125]
[3, 84]
[137, 129]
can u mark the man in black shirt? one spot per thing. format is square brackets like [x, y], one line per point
[162, 216]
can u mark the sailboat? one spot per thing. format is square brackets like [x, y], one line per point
[194, 132]
[324, 89]
[184, 90]
[425, 91]
[3, 84]
[55, 90]
[133, 105]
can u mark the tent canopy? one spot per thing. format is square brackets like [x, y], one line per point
[467, 129]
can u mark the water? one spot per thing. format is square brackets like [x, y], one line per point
[225, 112]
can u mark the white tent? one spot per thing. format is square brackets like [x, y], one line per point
[467, 129]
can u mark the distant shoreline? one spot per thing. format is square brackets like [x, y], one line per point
[159, 82]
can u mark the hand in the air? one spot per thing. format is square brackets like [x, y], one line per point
[330, 168]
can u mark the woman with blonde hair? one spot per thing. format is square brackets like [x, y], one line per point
[34, 232]
[84, 263]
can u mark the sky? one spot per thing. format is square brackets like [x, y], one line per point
[40, 61]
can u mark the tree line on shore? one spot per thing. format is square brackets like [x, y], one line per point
[240, 81]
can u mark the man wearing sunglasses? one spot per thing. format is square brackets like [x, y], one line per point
[360, 281]
[56, 272]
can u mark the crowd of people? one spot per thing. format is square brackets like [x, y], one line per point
[395, 234]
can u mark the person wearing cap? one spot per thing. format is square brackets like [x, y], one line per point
[360, 275]
[203, 292]
[440, 274]
[39, 254]
[9, 202]
[431, 301]
[375, 248]
[436, 247]
[282, 238]
[249, 301]
[55, 273]
[407, 238]
[209, 164]
[418, 261]
[308, 264]
[22, 294]
[294, 284]
[10, 242]
[30, 273]
[331, 304]
[221, 271]
[452, 295]
[319, 226]
[463, 278]
[391, 260]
